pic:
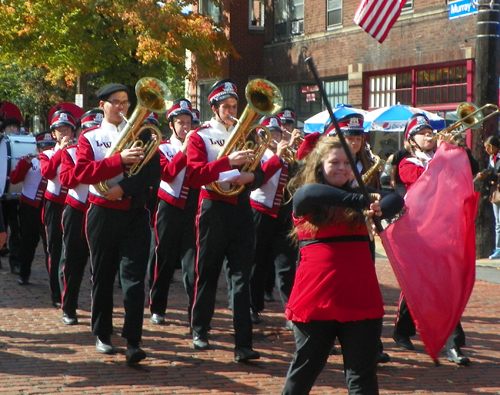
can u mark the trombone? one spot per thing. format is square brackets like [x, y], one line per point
[470, 117]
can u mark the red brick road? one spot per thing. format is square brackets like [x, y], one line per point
[40, 355]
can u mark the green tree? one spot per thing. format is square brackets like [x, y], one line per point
[121, 41]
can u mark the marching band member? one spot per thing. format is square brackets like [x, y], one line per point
[62, 127]
[75, 247]
[224, 224]
[336, 291]
[175, 216]
[31, 227]
[272, 216]
[117, 222]
[10, 207]
[420, 136]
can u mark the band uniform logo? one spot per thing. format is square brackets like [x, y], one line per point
[217, 142]
[228, 87]
[106, 144]
[184, 105]
[273, 122]
[354, 123]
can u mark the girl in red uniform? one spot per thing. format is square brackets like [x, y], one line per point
[336, 291]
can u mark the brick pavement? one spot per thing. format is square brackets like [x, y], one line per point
[40, 355]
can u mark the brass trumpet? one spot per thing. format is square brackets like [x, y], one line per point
[264, 98]
[152, 96]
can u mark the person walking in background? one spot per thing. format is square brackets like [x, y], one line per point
[492, 147]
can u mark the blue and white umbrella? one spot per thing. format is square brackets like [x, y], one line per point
[393, 118]
[317, 122]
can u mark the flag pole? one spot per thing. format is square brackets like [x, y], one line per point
[347, 150]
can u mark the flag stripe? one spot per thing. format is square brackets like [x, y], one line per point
[376, 17]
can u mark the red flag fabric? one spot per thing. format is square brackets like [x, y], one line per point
[378, 16]
[432, 247]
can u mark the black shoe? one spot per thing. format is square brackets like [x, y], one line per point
[268, 297]
[157, 319]
[383, 357]
[56, 301]
[134, 353]
[243, 354]
[69, 319]
[200, 342]
[403, 342]
[103, 345]
[22, 281]
[457, 356]
[14, 269]
[255, 317]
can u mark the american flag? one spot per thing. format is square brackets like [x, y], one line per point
[378, 16]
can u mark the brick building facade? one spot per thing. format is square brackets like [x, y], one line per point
[426, 61]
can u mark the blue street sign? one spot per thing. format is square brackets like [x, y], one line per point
[461, 8]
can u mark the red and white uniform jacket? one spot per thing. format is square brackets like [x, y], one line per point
[203, 165]
[267, 199]
[412, 167]
[50, 162]
[78, 194]
[34, 184]
[174, 184]
[91, 166]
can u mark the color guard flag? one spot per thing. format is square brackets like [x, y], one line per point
[376, 17]
[432, 247]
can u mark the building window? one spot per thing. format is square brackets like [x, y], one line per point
[333, 13]
[443, 85]
[208, 8]
[256, 14]
[387, 90]
[336, 91]
[288, 18]
[408, 6]
[419, 87]
[202, 102]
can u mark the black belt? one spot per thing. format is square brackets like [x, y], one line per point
[338, 239]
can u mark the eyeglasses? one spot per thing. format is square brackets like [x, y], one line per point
[118, 103]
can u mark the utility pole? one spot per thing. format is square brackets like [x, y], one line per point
[486, 91]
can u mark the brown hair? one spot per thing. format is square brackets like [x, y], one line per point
[312, 173]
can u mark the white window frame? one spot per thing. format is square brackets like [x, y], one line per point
[251, 7]
[332, 9]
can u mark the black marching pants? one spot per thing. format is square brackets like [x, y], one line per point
[31, 231]
[314, 340]
[52, 218]
[176, 245]
[225, 230]
[74, 258]
[406, 327]
[274, 251]
[119, 241]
